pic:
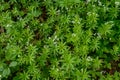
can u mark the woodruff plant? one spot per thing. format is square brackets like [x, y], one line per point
[59, 39]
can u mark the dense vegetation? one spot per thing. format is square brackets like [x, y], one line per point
[59, 39]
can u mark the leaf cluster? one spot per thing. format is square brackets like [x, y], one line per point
[59, 39]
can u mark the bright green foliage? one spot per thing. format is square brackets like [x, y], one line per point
[59, 39]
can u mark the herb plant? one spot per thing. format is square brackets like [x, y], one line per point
[59, 40]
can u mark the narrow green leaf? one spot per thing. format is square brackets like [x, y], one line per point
[6, 72]
[13, 64]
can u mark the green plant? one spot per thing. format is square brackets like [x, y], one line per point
[59, 39]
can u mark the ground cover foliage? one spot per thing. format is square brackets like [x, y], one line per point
[59, 39]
